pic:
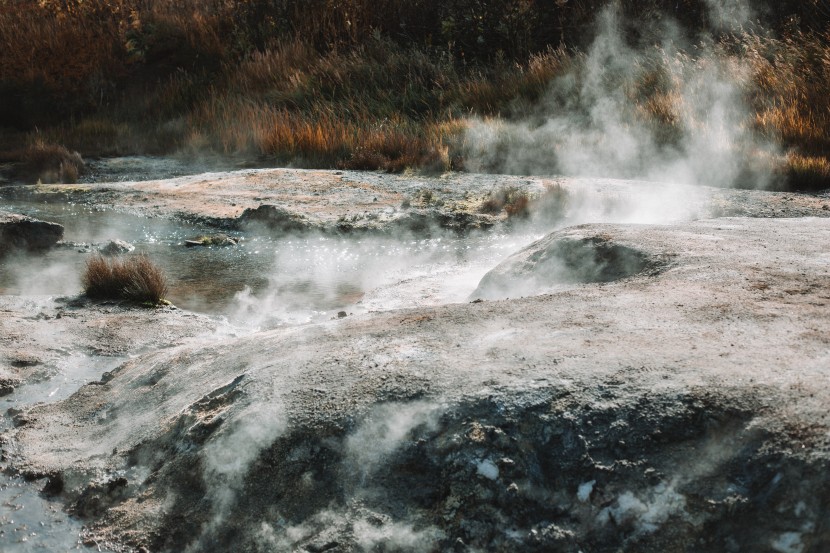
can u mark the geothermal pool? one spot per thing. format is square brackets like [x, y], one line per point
[268, 280]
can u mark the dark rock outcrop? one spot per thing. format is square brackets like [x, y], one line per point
[25, 233]
[274, 218]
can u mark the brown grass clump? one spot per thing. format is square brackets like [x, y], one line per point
[517, 204]
[133, 278]
[51, 163]
[512, 200]
[806, 173]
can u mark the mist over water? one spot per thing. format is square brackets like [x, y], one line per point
[268, 280]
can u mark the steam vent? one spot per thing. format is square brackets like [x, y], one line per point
[415, 277]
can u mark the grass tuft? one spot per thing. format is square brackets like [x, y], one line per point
[806, 173]
[519, 204]
[511, 199]
[49, 163]
[133, 278]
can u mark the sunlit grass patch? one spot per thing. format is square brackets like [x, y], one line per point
[134, 278]
[50, 163]
[806, 172]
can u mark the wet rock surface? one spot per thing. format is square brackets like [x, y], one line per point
[659, 411]
[18, 232]
[209, 240]
[342, 202]
[37, 333]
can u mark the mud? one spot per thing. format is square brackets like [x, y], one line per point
[624, 409]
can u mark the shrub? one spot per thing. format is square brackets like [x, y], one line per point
[132, 278]
[518, 203]
[51, 163]
[510, 199]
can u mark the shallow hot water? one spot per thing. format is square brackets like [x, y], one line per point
[266, 279]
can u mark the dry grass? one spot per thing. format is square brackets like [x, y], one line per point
[369, 85]
[805, 173]
[133, 278]
[512, 200]
[520, 204]
[48, 163]
[375, 107]
[792, 102]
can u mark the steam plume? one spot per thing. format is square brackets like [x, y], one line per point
[655, 113]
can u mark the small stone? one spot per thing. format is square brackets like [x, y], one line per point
[341, 314]
[219, 240]
[116, 247]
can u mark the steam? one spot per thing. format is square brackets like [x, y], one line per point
[646, 514]
[32, 275]
[395, 536]
[729, 14]
[227, 460]
[653, 113]
[313, 277]
[367, 531]
[385, 430]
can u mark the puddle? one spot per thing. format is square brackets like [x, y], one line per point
[71, 372]
[31, 523]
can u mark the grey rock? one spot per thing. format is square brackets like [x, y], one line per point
[26, 233]
[116, 247]
[273, 218]
[219, 240]
[575, 255]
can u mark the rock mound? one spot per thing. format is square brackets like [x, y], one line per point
[651, 415]
[576, 255]
[25, 233]
[273, 218]
[116, 247]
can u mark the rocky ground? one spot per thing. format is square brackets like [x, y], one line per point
[648, 388]
[18, 232]
[338, 201]
[37, 333]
